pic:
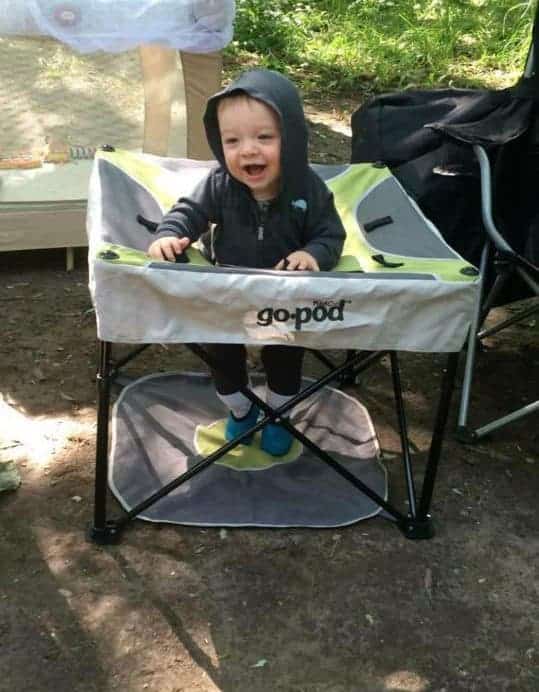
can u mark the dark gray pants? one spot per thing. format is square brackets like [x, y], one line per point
[282, 365]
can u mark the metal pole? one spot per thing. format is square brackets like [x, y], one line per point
[102, 441]
[403, 432]
[505, 420]
[437, 436]
[472, 342]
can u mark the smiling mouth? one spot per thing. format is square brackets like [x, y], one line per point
[254, 169]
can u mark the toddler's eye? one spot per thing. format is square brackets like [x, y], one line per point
[230, 140]
[265, 136]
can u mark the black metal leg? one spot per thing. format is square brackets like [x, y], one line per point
[102, 531]
[463, 434]
[403, 432]
[348, 378]
[422, 527]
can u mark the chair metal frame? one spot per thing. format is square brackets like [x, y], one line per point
[507, 263]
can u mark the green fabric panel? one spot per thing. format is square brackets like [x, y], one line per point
[209, 438]
[158, 182]
[348, 188]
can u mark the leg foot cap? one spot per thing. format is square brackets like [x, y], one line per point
[107, 535]
[465, 435]
[418, 529]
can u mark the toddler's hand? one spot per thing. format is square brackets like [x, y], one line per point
[168, 248]
[299, 261]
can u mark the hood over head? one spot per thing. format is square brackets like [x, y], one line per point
[278, 93]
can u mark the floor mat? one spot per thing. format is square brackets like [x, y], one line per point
[163, 424]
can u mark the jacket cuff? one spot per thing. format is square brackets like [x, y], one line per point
[166, 231]
[321, 255]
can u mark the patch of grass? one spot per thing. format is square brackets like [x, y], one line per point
[348, 46]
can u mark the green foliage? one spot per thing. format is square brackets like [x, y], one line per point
[342, 46]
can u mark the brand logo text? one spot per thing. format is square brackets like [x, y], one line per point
[320, 311]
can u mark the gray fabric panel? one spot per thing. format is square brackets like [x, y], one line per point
[155, 421]
[408, 235]
[328, 171]
[122, 199]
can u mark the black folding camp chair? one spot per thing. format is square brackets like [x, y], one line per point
[433, 141]
[508, 264]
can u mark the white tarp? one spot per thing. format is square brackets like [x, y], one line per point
[197, 26]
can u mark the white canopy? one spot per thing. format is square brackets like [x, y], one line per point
[197, 26]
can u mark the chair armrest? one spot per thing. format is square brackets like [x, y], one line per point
[486, 203]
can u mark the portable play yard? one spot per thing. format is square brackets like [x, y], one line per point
[398, 287]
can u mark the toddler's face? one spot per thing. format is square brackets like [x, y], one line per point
[251, 140]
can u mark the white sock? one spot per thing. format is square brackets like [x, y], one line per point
[237, 402]
[276, 400]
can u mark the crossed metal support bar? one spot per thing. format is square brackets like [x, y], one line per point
[416, 523]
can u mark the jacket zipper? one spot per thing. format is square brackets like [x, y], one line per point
[261, 218]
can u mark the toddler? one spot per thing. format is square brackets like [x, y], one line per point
[262, 207]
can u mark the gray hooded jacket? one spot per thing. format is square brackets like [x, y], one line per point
[303, 217]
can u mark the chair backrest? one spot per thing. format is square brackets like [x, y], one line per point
[427, 139]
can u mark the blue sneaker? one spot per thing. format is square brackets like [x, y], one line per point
[236, 426]
[276, 440]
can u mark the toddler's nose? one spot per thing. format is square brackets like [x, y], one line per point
[249, 147]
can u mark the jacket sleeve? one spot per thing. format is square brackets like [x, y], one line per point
[191, 215]
[325, 232]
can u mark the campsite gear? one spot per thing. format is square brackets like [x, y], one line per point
[238, 426]
[430, 276]
[442, 145]
[399, 287]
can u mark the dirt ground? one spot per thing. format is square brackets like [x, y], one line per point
[360, 609]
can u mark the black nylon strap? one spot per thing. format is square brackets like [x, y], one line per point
[382, 260]
[149, 225]
[376, 223]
